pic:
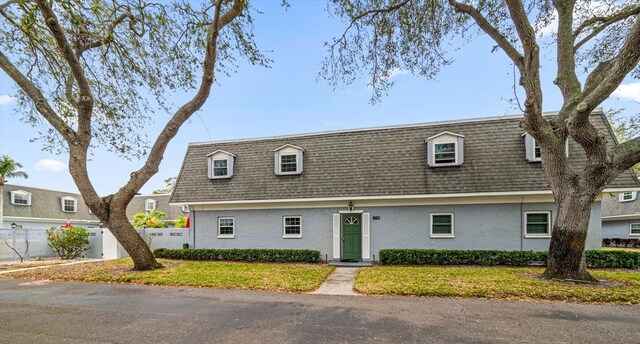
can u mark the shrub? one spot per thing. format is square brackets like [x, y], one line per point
[149, 219]
[595, 259]
[68, 243]
[244, 255]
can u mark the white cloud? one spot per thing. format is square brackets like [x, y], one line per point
[50, 165]
[396, 72]
[6, 99]
[629, 91]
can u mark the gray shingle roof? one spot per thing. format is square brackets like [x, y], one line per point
[44, 204]
[137, 205]
[377, 162]
[611, 206]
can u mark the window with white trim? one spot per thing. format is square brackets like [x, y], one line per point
[288, 163]
[537, 224]
[445, 149]
[537, 153]
[220, 168]
[444, 153]
[220, 164]
[20, 198]
[226, 228]
[288, 160]
[292, 227]
[628, 196]
[442, 225]
[69, 204]
[634, 229]
[150, 205]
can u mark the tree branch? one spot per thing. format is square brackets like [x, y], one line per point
[370, 12]
[611, 76]
[604, 22]
[140, 177]
[85, 101]
[625, 155]
[566, 79]
[492, 31]
[41, 103]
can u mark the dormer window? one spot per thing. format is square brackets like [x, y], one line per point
[288, 160]
[69, 204]
[220, 164]
[20, 198]
[445, 149]
[628, 196]
[150, 204]
[532, 149]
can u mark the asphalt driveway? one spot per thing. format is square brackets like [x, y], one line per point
[71, 312]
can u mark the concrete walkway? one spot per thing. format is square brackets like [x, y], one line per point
[52, 265]
[340, 282]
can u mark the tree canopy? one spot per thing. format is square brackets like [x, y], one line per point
[96, 71]
[596, 44]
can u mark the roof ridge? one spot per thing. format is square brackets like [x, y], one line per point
[597, 111]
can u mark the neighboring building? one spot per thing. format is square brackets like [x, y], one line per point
[142, 203]
[470, 184]
[34, 208]
[621, 215]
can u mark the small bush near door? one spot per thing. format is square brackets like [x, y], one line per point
[595, 259]
[68, 242]
[242, 255]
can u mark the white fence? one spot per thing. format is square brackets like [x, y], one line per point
[33, 243]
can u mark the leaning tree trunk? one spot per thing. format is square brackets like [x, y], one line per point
[566, 260]
[132, 242]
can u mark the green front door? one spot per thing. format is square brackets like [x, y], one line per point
[351, 236]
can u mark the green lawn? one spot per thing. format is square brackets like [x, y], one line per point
[622, 286]
[629, 249]
[228, 275]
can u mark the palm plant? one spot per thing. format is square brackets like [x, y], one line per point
[150, 219]
[9, 168]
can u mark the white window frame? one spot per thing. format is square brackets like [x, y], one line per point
[537, 235]
[631, 228]
[233, 226]
[280, 156]
[536, 145]
[284, 227]
[455, 153]
[21, 193]
[185, 209]
[440, 235]
[213, 168]
[148, 202]
[633, 195]
[69, 198]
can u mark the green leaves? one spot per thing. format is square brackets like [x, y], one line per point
[134, 53]
[10, 168]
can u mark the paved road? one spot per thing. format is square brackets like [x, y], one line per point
[62, 312]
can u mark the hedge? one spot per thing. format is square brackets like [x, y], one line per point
[243, 255]
[595, 259]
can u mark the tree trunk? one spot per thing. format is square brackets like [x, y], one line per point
[566, 260]
[132, 242]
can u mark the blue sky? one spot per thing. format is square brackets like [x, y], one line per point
[287, 99]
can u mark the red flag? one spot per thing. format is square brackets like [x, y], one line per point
[187, 224]
[68, 225]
